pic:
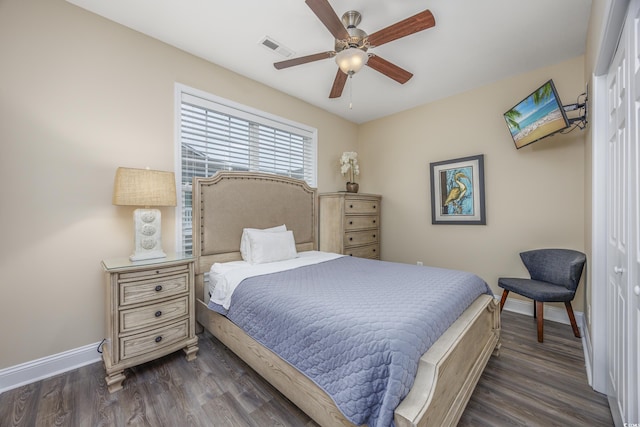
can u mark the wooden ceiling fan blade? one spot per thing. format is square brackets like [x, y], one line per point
[338, 85]
[388, 69]
[328, 17]
[418, 22]
[303, 60]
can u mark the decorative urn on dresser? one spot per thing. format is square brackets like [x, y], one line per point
[349, 165]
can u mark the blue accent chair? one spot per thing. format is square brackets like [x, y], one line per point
[555, 274]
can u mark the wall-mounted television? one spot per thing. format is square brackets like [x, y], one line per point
[537, 116]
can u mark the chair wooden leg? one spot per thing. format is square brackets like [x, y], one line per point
[534, 309]
[540, 316]
[503, 299]
[572, 318]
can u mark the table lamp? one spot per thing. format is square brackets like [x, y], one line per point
[147, 188]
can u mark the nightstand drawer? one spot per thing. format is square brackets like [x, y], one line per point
[355, 238]
[154, 272]
[370, 251]
[154, 289]
[360, 222]
[355, 206]
[142, 317]
[153, 340]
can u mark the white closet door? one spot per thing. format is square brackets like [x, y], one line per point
[633, 413]
[617, 220]
[623, 254]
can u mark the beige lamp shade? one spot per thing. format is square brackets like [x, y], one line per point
[144, 187]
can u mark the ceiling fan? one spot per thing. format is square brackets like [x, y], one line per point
[352, 43]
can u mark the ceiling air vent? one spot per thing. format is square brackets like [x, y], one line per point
[274, 46]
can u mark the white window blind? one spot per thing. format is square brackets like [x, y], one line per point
[215, 134]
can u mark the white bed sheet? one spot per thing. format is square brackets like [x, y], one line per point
[225, 277]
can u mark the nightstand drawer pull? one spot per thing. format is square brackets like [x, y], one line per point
[158, 288]
[350, 222]
[351, 206]
[158, 338]
[350, 238]
[158, 313]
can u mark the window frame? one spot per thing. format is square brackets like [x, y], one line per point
[234, 109]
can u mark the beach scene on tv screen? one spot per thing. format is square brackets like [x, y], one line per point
[535, 117]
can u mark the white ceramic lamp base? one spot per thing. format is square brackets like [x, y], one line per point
[148, 239]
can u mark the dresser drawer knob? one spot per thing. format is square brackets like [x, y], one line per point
[158, 288]
[158, 338]
[374, 206]
[374, 236]
[350, 238]
[374, 250]
[350, 222]
[374, 221]
[158, 313]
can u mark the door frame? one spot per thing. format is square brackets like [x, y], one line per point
[615, 11]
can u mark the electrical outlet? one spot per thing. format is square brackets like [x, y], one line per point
[419, 263]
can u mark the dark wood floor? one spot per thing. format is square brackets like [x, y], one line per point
[530, 384]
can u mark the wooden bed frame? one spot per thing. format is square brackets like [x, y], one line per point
[228, 202]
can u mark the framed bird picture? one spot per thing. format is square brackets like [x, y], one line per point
[457, 191]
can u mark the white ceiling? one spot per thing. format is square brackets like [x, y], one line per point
[473, 43]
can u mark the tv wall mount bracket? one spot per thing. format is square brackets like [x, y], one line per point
[581, 120]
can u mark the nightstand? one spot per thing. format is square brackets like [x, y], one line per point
[150, 312]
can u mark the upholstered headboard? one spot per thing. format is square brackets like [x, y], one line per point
[227, 202]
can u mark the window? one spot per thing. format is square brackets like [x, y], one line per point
[216, 134]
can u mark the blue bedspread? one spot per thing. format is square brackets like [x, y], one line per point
[356, 327]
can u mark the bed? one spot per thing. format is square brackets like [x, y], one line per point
[228, 202]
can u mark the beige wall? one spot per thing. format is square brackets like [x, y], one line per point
[534, 196]
[80, 96]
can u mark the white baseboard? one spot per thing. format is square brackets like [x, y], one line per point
[551, 313]
[588, 349]
[29, 372]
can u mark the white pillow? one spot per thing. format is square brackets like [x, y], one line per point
[269, 246]
[245, 249]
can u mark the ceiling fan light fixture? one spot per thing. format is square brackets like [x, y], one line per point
[351, 60]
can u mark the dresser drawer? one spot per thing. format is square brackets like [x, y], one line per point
[370, 251]
[357, 206]
[358, 238]
[154, 314]
[153, 340]
[360, 222]
[153, 289]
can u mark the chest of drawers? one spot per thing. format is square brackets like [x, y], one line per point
[149, 312]
[350, 224]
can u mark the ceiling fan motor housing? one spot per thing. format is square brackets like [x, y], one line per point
[357, 37]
